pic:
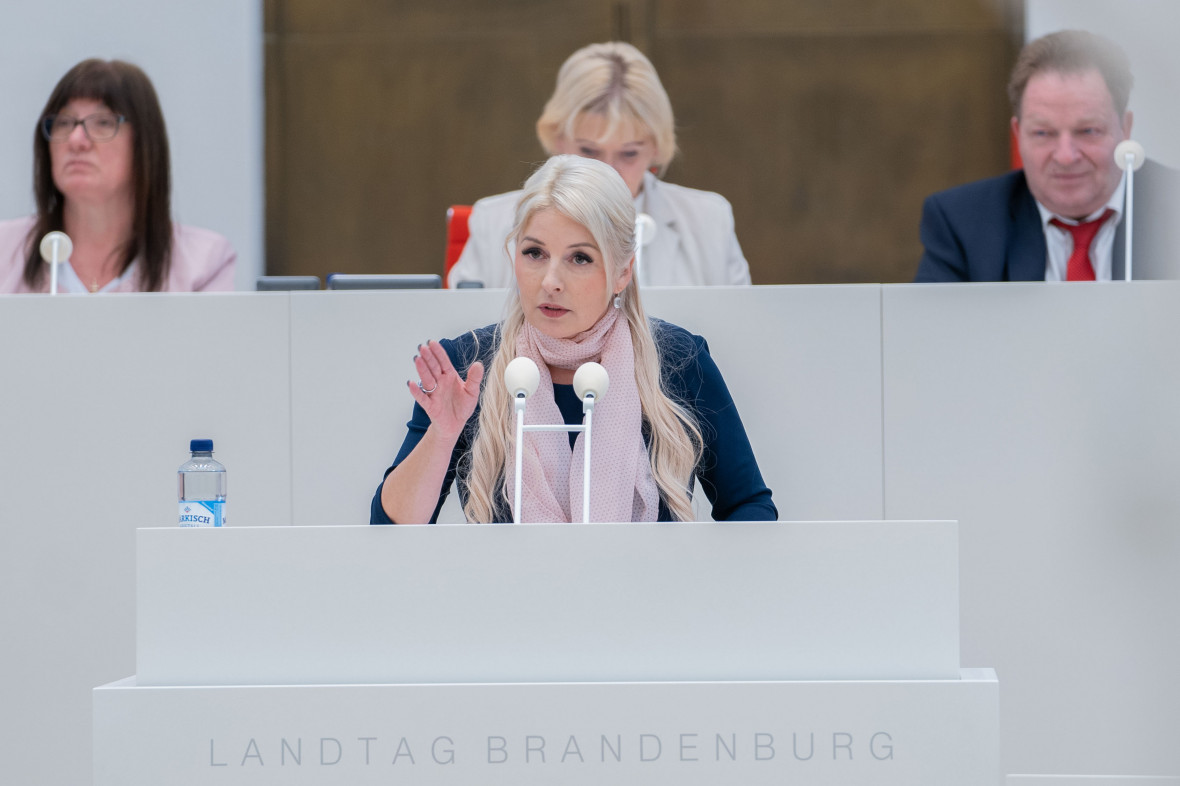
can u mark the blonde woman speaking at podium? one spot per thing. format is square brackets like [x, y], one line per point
[609, 105]
[667, 419]
[101, 174]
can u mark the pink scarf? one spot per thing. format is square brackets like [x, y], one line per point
[621, 484]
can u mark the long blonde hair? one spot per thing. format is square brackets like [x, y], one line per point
[614, 80]
[594, 195]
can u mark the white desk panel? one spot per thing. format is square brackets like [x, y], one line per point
[98, 400]
[548, 603]
[1092, 780]
[854, 733]
[802, 363]
[351, 354]
[804, 367]
[1044, 418]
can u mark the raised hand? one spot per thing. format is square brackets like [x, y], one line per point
[447, 398]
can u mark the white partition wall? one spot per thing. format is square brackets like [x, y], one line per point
[351, 355]
[802, 364]
[1042, 417]
[804, 367]
[98, 400]
[307, 405]
[1045, 419]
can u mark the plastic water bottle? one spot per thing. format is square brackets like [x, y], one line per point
[201, 482]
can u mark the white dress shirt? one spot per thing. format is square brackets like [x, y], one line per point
[1059, 241]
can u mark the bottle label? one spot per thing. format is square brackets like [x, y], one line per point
[210, 513]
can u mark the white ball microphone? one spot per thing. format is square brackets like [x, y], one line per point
[522, 377]
[56, 248]
[1129, 155]
[590, 383]
[645, 232]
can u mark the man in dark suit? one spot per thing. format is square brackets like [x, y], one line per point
[1061, 217]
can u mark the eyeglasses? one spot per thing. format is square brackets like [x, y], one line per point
[99, 127]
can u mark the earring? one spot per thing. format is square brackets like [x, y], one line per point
[618, 301]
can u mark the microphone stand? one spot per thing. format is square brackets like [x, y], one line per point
[588, 413]
[1129, 158]
[53, 268]
[584, 427]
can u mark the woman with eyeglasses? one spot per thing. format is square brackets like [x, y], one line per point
[101, 174]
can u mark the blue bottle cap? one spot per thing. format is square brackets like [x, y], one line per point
[201, 444]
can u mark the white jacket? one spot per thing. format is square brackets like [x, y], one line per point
[694, 242]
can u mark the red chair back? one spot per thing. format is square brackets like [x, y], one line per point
[1014, 154]
[457, 234]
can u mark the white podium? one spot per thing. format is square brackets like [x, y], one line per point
[817, 653]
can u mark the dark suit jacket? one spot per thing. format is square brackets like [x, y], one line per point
[990, 230]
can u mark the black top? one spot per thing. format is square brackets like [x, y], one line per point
[727, 471]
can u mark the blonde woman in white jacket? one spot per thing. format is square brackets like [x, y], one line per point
[609, 105]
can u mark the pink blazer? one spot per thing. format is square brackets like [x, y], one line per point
[202, 261]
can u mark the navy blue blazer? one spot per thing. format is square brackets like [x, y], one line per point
[727, 471]
[990, 230]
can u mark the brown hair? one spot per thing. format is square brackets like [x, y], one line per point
[1071, 52]
[127, 91]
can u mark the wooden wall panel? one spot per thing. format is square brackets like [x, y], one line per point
[527, 20]
[835, 17]
[824, 123]
[826, 146]
[385, 114]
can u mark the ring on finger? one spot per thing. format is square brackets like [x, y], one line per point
[424, 390]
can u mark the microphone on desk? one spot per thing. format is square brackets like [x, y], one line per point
[590, 383]
[645, 232]
[522, 377]
[1129, 155]
[56, 248]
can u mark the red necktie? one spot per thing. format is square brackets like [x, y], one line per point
[1079, 267]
